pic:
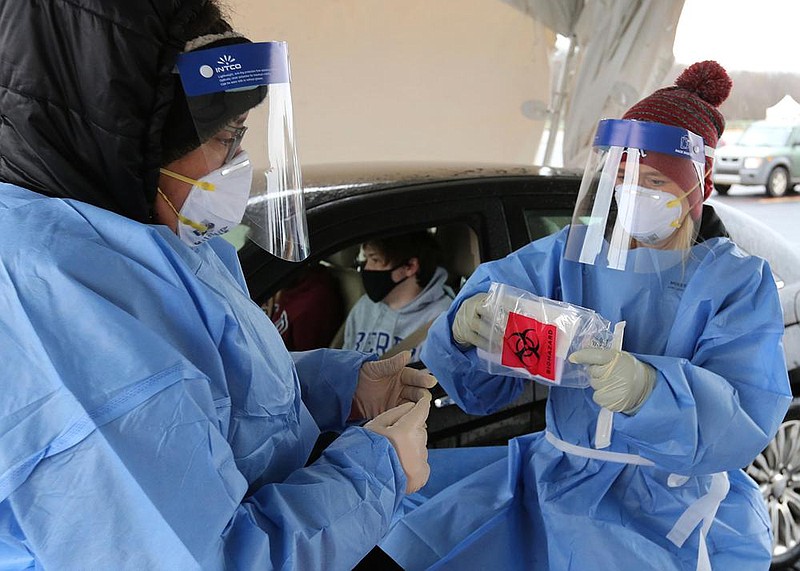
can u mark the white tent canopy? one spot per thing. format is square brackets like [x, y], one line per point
[787, 109]
[623, 51]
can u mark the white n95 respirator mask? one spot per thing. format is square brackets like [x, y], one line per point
[216, 202]
[649, 216]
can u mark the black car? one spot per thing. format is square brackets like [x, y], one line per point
[482, 213]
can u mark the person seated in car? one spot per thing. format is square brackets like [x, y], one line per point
[308, 311]
[405, 291]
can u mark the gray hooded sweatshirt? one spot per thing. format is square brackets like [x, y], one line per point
[375, 327]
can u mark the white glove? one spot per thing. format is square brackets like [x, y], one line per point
[471, 326]
[388, 383]
[405, 428]
[621, 382]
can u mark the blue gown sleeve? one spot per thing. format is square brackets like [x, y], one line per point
[716, 411]
[155, 420]
[146, 492]
[534, 268]
[328, 379]
[322, 517]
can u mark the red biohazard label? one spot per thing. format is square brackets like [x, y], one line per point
[531, 345]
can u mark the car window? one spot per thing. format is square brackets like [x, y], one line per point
[541, 224]
[329, 288]
[237, 236]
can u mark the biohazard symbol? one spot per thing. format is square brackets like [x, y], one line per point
[525, 345]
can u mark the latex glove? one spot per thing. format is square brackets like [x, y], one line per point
[471, 325]
[621, 382]
[384, 384]
[405, 428]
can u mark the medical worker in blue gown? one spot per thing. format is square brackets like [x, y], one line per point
[697, 391]
[150, 415]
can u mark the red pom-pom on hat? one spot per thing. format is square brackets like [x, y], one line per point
[708, 80]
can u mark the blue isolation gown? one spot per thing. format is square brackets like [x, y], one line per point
[668, 493]
[151, 417]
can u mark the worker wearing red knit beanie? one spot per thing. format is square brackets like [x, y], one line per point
[655, 162]
[641, 468]
[692, 103]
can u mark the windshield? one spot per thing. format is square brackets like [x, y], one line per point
[765, 136]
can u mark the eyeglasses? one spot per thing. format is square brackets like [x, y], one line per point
[233, 142]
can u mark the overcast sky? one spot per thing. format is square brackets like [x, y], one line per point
[742, 35]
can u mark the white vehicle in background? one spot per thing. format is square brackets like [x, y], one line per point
[777, 469]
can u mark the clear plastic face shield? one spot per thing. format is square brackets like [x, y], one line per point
[240, 101]
[640, 201]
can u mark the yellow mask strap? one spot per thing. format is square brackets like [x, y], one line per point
[198, 183]
[196, 225]
[677, 200]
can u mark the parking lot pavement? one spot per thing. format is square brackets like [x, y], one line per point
[780, 214]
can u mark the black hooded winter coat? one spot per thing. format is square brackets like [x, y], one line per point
[78, 119]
